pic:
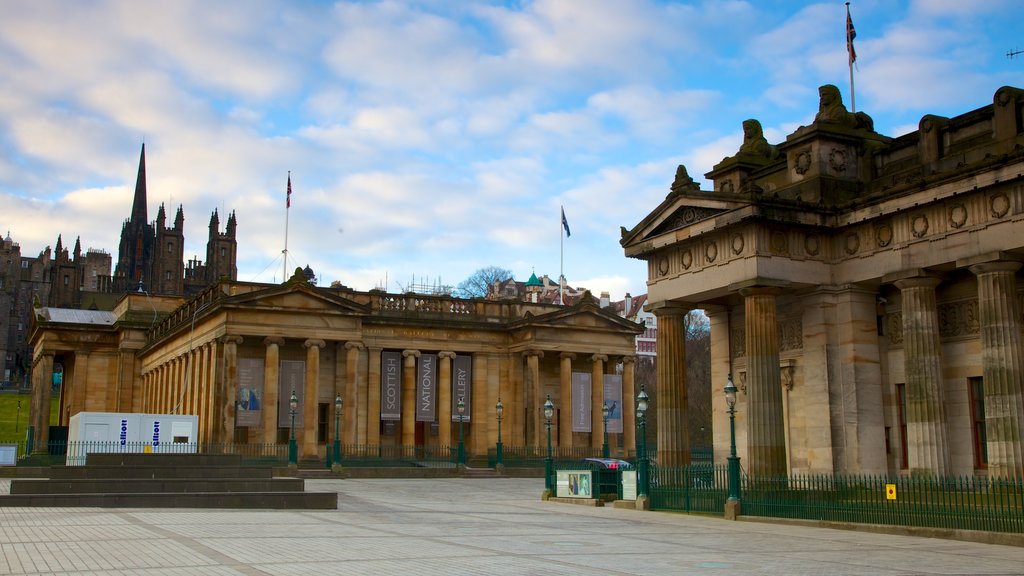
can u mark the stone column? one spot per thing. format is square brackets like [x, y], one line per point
[1002, 364]
[628, 403]
[597, 399]
[373, 398]
[565, 399]
[350, 433]
[766, 441]
[409, 397]
[534, 398]
[927, 441]
[271, 387]
[311, 396]
[444, 397]
[229, 388]
[42, 383]
[671, 400]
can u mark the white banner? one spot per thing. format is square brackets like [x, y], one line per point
[581, 401]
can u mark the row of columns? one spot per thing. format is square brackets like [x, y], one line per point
[1002, 359]
[191, 384]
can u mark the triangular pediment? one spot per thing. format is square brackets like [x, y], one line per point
[298, 297]
[584, 316]
[679, 211]
[684, 216]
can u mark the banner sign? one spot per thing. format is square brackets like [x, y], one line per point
[613, 398]
[292, 379]
[391, 385]
[581, 401]
[249, 395]
[426, 388]
[462, 385]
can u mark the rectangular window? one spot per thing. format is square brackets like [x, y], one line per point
[976, 387]
[901, 408]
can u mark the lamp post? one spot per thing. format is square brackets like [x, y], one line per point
[460, 407]
[642, 463]
[17, 418]
[293, 449]
[734, 460]
[604, 416]
[549, 463]
[499, 457]
[338, 404]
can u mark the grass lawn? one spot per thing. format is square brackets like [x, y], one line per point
[14, 422]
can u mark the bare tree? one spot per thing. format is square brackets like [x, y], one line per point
[478, 282]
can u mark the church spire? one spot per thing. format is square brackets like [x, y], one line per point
[139, 216]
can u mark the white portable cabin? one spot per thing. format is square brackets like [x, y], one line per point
[123, 432]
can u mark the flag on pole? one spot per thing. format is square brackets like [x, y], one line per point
[851, 33]
[565, 224]
[288, 197]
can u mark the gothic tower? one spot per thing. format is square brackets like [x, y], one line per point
[221, 251]
[168, 258]
[135, 254]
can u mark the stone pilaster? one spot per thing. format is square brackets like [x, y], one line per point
[1002, 366]
[927, 442]
[565, 399]
[271, 387]
[597, 362]
[533, 395]
[766, 442]
[42, 384]
[311, 389]
[628, 403]
[228, 389]
[353, 400]
[409, 397]
[373, 397]
[671, 400]
[444, 397]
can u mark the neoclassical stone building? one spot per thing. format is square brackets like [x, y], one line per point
[864, 293]
[234, 354]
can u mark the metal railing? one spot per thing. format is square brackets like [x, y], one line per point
[701, 487]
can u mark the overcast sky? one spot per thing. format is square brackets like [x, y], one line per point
[429, 139]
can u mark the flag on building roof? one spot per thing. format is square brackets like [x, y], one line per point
[851, 33]
[565, 224]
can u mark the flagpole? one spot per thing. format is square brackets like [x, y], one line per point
[561, 256]
[287, 209]
[851, 55]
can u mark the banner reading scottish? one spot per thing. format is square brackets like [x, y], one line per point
[391, 385]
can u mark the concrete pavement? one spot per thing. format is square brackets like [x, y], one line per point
[459, 526]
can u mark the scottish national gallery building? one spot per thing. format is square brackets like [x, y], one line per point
[864, 294]
[237, 353]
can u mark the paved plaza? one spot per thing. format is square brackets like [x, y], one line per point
[459, 526]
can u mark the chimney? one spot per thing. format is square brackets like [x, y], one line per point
[605, 300]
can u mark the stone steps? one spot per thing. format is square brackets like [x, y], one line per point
[166, 481]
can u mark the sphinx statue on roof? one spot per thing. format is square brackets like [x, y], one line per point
[831, 110]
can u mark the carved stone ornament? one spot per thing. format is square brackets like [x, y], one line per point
[803, 162]
[837, 159]
[812, 244]
[919, 226]
[894, 327]
[737, 243]
[852, 243]
[786, 375]
[957, 215]
[727, 187]
[742, 381]
[791, 334]
[1000, 205]
[958, 318]
[779, 242]
[686, 260]
[883, 235]
[711, 251]
[662, 266]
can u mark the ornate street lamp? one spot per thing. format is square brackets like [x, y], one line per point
[641, 422]
[549, 463]
[460, 407]
[338, 404]
[499, 459]
[293, 449]
[734, 460]
[604, 415]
